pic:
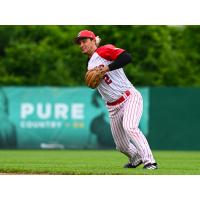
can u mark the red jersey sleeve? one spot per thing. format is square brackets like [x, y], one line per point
[109, 52]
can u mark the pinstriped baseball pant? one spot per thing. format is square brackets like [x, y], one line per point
[124, 121]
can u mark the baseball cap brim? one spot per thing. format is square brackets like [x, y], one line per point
[76, 40]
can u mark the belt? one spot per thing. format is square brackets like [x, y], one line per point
[120, 100]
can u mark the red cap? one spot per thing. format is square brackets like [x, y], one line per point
[85, 34]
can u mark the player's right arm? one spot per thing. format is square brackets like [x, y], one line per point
[118, 56]
[122, 60]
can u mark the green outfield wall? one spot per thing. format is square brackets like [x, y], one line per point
[174, 118]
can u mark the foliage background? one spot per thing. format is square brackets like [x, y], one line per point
[47, 55]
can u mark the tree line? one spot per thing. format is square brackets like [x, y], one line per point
[47, 55]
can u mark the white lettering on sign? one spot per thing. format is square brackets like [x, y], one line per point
[61, 110]
[44, 111]
[26, 109]
[48, 110]
[77, 111]
[40, 124]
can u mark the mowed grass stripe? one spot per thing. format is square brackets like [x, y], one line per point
[94, 162]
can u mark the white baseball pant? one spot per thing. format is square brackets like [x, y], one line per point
[124, 121]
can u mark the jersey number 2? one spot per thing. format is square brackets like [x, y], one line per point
[107, 79]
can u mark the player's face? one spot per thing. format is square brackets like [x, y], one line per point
[87, 46]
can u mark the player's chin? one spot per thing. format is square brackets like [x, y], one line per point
[84, 52]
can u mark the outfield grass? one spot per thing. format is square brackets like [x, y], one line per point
[95, 162]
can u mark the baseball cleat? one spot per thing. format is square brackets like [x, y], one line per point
[151, 166]
[130, 165]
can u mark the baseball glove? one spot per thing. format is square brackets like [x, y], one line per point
[94, 76]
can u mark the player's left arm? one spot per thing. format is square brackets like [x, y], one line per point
[119, 58]
[120, 61]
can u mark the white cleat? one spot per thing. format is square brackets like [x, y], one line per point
[151, 166]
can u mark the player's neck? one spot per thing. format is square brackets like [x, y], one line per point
[91, 52]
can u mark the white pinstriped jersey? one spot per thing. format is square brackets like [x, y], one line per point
[115, 82]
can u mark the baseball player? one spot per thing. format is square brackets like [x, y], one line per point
[124, 102]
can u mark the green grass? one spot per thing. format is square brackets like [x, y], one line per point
[97, 162]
